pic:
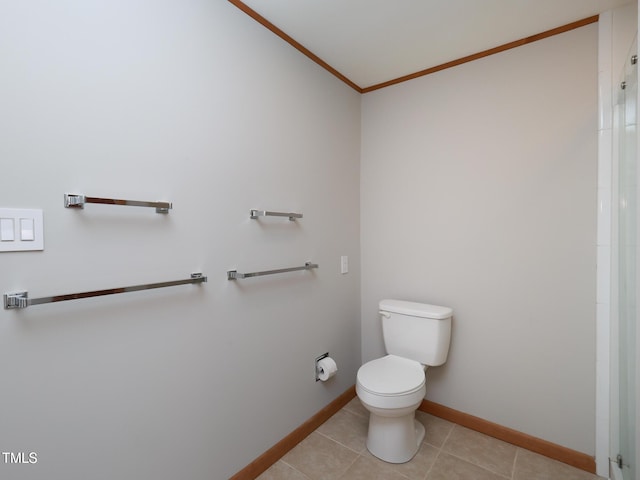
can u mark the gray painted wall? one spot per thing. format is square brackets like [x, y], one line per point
[195, 103]
[478, 192]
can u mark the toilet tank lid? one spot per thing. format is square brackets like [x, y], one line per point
[416, 309]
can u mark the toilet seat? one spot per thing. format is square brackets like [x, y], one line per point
[391, 376]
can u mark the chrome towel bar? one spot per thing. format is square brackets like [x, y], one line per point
[21, 299]
[72, 200]
[234, 275]
[263, 213]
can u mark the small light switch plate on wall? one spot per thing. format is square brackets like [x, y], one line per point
[344, 264]
[21, 229]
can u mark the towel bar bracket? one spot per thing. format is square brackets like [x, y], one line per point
[73, 201]
[16, 300]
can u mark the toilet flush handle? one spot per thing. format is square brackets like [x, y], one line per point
[385, 314]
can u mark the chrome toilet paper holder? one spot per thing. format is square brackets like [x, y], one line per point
[318, 368]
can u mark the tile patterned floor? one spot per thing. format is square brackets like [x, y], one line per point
[337, 451]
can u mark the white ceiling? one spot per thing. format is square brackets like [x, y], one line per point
[373, 41]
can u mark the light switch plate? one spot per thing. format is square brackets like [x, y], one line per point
[344, 264]
[28, 229]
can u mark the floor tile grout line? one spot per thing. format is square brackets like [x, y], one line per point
[350, 465]
[513, 468]
[339, 443]
[354, 413]
[479, 466]
[444, 442]
[294, 468]
[440, 449]
[426, 475]
[344, 410]
[366, 452]
[476, 465]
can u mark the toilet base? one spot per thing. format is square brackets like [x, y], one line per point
[394, 439]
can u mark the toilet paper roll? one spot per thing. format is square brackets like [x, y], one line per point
[327, 368]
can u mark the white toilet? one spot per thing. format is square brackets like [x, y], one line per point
[416, 335]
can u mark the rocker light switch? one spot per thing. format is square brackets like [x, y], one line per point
[344, 264]
[26, 230]
[7, 230]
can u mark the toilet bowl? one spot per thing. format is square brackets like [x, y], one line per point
[391, 388]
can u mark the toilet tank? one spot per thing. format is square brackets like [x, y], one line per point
[417, 331]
